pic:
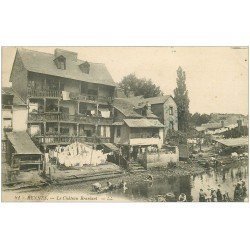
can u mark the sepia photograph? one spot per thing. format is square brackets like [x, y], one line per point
[124, 124]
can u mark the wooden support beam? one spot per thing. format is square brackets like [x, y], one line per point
[77, 129]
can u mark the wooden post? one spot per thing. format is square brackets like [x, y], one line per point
[44, 132]
[77, 129]
[97, 109]
[44, 162]
[58, 106]
[45, 83]
[44, 103]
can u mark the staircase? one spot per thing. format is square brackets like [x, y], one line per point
[135, 167]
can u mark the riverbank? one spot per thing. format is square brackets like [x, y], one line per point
[164, 180]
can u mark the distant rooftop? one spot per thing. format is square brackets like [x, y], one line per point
[234, 142]
[126, 108]
[17, 100]
[143, 123]
[138, 101]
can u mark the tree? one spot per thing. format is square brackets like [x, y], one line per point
[198, 119]
[182, 100]
[139, 86]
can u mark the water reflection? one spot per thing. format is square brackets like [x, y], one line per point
[190, 185]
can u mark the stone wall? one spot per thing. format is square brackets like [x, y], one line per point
[161, 159]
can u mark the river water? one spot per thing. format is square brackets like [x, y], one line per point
[147, 191]
[190, 185]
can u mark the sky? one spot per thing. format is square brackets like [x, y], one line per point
[216, 77]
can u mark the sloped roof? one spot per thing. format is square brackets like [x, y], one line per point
[17, 100]
[117, 123]
[136, 100]
[234, 142]
[43, 63]
[125, 107]
[157, 99]
[111, 146]
[200, 129]
[143, 123]
[22, 143]
[213, 125]
[152, 116]
[7, 91]
[139, 101]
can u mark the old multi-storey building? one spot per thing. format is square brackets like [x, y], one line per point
[164, 107]
[68, 99]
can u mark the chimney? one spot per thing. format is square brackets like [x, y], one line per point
[148, 108]
[222, 124]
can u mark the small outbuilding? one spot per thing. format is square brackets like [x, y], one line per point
[227, 146]
[22, 153]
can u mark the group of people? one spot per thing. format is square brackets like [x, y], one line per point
[240, 191]
[97, 187]
[216, 195]
[213, 195]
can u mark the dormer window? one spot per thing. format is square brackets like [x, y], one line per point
[85, 67]
[60, 62]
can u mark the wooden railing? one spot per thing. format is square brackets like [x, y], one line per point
[46, 117]
[65, 139]
[67, 117]
[44, 93]
[43, 117]
[98, 120]
[142, 135]
[94, 98]
[51, 117]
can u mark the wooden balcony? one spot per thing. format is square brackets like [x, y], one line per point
[97, 120]
[62, 117]
[44, 117]
[64, 139]
[52, 117]
[91, 98]
[44, 93]
[67, 118]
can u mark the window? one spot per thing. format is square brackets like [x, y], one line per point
[84, 88]
[64, 130]
[85, 67]
[88, 133]
[105, 131]
[3, 146]
[118, 132]
[7, 123]
[171, 110]
[171, 125]
[60, 62]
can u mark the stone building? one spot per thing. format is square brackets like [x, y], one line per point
[164, 107]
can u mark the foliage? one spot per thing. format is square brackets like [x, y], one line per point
[197, 119]
[182, 100]
[175, 138]
[236, 132]
[139, 86]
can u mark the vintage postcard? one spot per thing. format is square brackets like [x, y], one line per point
[124, 124]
